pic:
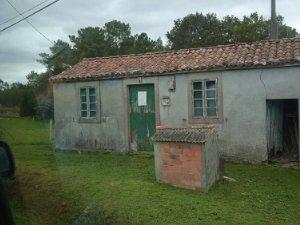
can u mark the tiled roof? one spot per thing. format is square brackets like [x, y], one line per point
[185, 135]
[234, 56]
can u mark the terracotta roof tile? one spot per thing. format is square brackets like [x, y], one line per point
[258, 54]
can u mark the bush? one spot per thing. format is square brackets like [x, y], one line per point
[9, 111]
[27, 103]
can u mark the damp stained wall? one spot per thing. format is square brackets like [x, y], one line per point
[106, 132]
[243, 134]
[241, 125]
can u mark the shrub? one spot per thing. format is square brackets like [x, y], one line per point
[27, 103]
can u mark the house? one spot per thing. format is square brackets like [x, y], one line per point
[248, 92]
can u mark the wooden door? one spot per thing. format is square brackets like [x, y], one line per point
[142, 116]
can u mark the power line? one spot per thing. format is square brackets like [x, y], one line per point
[6, 21]
[29, 22]
[24, 18]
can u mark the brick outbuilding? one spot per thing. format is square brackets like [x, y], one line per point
[186, 157]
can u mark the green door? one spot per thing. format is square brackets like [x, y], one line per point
[142, 116]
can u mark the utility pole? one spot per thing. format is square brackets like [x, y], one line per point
[274, 28]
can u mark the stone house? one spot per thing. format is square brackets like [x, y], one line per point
[248, 92]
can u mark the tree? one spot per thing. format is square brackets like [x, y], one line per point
[3, 85]
[251, 28]
[26, 97]
[114, 38]
[10, 96]
[143, 43]
[90, 42]
[283, 29]
[61, 57]
[38, 82]
[195, 30]
[198, 30]
[27, 103]
[118, 37]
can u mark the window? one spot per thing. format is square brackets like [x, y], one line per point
[88, 102]
[204, 98]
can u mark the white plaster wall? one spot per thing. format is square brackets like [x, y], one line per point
[243, 134]
[176, 114]
[242, 128]
[106, 133]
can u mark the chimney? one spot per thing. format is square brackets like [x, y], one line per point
[274, 28]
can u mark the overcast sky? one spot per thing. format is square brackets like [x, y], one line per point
[20, 45]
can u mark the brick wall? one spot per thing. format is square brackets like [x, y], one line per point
[180, 164]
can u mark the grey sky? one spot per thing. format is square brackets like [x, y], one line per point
[20, 45]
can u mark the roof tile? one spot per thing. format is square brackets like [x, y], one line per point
[234, 56]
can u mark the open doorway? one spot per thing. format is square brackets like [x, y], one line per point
[283, 131]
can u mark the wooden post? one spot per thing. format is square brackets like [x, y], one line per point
[50, 130]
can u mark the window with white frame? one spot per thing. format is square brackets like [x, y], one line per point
[88, 107]
[204, 93]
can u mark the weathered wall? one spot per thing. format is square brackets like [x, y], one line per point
[242, 106]
[176, 114]
[212, 162]
[106, 132]
[242, 109]
[179, 112]
[243, 134]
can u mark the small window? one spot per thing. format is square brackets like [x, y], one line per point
[204, 98]
[88, 104]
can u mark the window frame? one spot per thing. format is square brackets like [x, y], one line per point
[88, 103]
[204, 118]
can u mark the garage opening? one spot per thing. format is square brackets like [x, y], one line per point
[283, 131]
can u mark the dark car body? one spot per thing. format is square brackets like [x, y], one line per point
[7, 170]
[7, 163]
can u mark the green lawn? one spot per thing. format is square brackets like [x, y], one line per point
[65, 188]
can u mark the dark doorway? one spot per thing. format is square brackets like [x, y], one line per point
[283, 130]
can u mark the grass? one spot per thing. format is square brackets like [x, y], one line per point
[64, 188]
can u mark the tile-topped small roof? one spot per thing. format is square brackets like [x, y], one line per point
[183, 134]
[234, 56]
